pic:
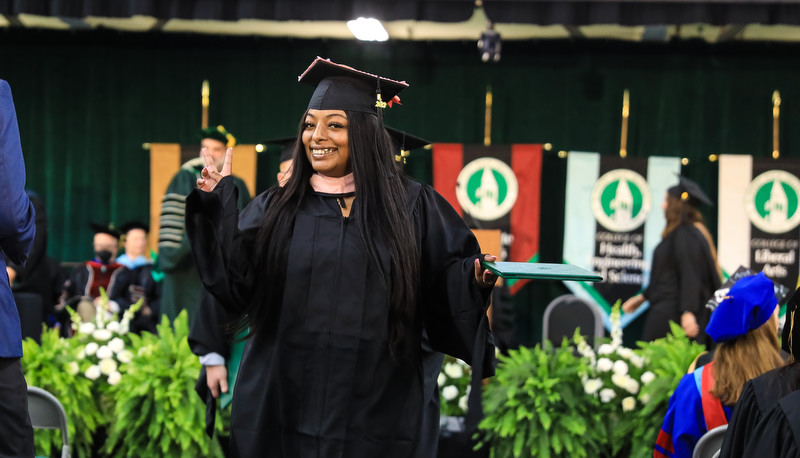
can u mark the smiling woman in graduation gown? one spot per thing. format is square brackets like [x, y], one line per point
[321, 377]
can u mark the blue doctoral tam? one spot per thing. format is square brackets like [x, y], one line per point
[749, 304]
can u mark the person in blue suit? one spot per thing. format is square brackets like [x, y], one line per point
[17, 230]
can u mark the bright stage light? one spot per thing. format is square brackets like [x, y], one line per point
[368, 29]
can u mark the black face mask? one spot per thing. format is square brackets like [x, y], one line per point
[104, 256]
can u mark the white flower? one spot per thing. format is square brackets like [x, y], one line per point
[113, 326]
[462, 403]
[626, 353]
[645, 398]
[619, 380]
[607, 394]
[592, 386]
[93, 372]
[449, 392]
[104, 352]
[73, 368]
[82, 354]
[114, 378]
[91, 348]
[637, 361]
[628, 404]
[86, 328]
[107, 366]
[605, 349]
[116, 345]
[441, 379]
[453, 370]
[604, 365]
[631, 385]
[620, 367]
[124, 327]
[648, 377]
[125, 356]
[101, 335]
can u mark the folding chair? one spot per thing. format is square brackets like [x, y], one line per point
[47, 413]
[568, 312]
[709, 444]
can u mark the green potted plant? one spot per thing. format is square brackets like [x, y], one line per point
[536, 406]
[156, 410]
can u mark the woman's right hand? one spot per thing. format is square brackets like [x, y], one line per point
[633, 303]
[210, 175]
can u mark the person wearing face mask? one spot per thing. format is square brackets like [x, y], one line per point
[82, 290]
[181, 285]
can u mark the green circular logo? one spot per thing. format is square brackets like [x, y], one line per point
[771, 201]
[621, 200]
[487, 189]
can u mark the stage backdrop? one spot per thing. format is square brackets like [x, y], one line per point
[494, 187]
[759, 216]
[613, 221]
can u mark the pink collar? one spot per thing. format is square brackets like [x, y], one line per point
[333, 185]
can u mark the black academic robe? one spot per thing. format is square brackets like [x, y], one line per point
[778, 433]
[87, 278]
[320, 381]
[143, 285]
[682, 279]
[759, 396]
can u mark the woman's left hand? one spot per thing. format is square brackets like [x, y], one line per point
[483, 276]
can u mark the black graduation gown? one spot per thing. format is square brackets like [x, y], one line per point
[778, 433]
[144, 285]
[759, 396]
[320, 382]
[682, 279]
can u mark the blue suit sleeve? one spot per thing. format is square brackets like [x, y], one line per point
[17, 216]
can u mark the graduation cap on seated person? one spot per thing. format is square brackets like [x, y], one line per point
[218, 133]
[404, 143]
[105, 229]
[689, 191]
[749, 304]
[287, 145]
[131, 225]
[340, 87]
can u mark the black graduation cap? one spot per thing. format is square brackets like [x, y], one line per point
[287, 145]
[104, 229]
[404, 142]
[129, 226]
[689, 191]
[340, 87]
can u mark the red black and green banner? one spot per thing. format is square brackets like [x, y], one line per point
[495, 187]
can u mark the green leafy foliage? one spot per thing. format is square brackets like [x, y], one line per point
[669, 358]
[156, 411]
[536, 406]
[52, 366]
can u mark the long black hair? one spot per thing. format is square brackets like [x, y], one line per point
[381, 208]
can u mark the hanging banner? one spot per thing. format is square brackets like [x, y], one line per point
[613, 221]
[758, 221]
[494, 187]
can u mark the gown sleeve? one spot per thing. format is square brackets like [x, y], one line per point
[745, 417]
[454, 307]
[223, 241]
[693, 259]
[684, 422]
[174, 251]
[778, 433]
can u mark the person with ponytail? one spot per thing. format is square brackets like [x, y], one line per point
[336, 274]
[684, 271]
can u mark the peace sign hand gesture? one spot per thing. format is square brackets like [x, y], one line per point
[210, 175]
